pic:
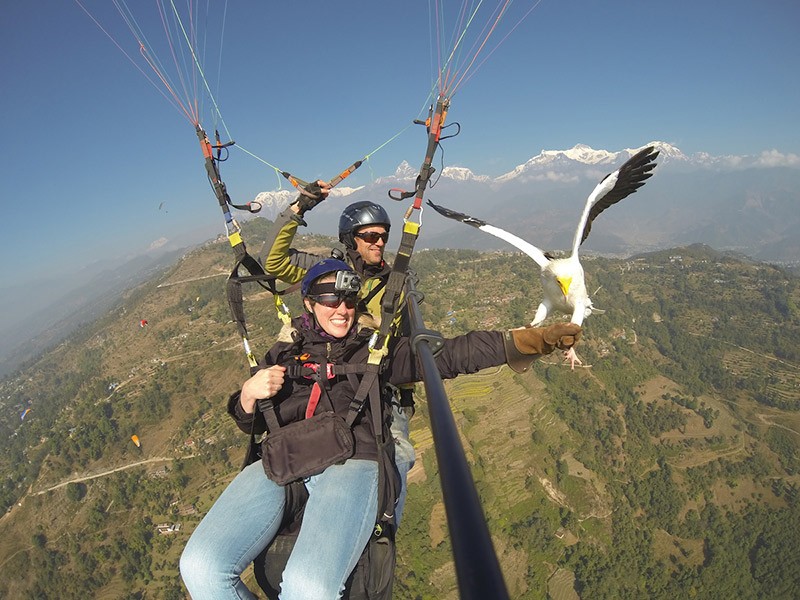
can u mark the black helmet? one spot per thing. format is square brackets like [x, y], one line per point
[360, 214]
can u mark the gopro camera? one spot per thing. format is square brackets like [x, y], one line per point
[348, 282]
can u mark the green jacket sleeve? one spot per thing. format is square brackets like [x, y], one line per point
[283, 261]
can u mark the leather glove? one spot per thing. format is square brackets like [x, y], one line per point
[525, 344]
[311, 195]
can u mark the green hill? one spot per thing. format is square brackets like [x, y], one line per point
[666, 467]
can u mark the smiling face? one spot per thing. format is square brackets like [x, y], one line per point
[371, 251]
[335, 321]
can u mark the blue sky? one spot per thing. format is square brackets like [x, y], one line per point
[93, 149]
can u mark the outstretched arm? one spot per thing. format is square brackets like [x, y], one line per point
[283, 261]
[460, 355]
[478, 350]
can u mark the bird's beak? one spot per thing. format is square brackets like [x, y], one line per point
[564, 283]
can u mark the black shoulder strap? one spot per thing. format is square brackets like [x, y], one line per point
[236, 302]
[367, 388]
[267, 408]
[373, 292]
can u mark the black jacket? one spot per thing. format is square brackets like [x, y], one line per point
[461, 355]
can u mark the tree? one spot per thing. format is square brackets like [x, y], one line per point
[76, 491]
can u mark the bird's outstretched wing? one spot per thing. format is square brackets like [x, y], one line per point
[613, 188]
[527, 248]
[457, 216]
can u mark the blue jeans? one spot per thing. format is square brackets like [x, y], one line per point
[404, 454]
[338, 520]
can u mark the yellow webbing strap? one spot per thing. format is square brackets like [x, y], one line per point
[251, 359]
[283, 311]
[235, 239]
[411, 227]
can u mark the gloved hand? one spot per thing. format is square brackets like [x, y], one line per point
[523, 345]
[312, 194]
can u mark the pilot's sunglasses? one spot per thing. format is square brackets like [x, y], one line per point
[334, 300]
[372, 237]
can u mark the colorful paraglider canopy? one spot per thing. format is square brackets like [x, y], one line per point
[24, 414]
[143, 322]
[135, 440]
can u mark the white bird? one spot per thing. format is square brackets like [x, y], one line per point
[563, 283]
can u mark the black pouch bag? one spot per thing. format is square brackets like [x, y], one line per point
[305, 448]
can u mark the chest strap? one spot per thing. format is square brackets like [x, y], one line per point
[316, 389]
[365, 388]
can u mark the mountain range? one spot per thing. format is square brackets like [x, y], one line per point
[50, 318]
[741, 203]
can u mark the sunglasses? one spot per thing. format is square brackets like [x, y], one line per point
[372, 237]
[334, 300]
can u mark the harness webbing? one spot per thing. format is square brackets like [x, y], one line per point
[373, 292]
[322, 371]
[236, 301]
[243, 258]
[397, 277]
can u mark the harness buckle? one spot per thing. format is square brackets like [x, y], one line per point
[315, 367]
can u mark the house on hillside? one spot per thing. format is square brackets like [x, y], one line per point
[166, 528]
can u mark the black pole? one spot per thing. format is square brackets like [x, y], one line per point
[477, 568]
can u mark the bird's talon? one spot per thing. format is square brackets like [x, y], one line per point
[571, 356]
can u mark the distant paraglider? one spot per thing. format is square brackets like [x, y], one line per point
[24, 414]
[143, 322]
[135, 440]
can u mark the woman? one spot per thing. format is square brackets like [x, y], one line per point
[343, 498]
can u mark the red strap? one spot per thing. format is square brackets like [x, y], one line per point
[316, 391]
[313, 400]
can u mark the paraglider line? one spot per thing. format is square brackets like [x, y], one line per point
[500, 14]
[505, 37]
[200, 70]
[443, 88]
[177, 106]
[165, 25]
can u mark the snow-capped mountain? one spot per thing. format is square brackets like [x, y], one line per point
[564, 166]
[550, 164]
[746, 203]
[405, 171]
[463, 174]
[274, 202]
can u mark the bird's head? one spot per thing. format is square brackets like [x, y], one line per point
[564, 282]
